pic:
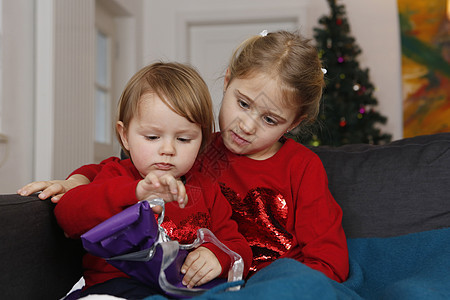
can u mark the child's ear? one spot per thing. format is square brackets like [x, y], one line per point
[296, 123]
[226, 80]
[123, 134]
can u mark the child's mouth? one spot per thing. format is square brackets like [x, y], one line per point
[237, 139]
[163, 166]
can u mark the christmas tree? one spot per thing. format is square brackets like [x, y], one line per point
[347, 113]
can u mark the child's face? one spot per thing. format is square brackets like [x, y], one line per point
[160, 140]
[252, 117]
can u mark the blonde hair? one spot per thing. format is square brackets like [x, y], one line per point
[291, 60]
[179, 86]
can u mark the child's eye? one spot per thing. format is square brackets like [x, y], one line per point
[152, 137]
[184, 140]
[243, 104]
[270, 120]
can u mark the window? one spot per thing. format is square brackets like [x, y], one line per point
[105, 98]
[103, 90]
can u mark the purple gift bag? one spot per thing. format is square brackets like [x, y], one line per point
[133, 242]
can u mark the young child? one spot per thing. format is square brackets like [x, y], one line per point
[278, 189]
[164, 119]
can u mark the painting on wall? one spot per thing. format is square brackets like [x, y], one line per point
[425, 42]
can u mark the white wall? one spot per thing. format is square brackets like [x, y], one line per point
[17, 93]
[375, 26]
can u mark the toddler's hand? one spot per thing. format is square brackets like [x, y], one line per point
[53, 188]
[200, 267]
[166, 187]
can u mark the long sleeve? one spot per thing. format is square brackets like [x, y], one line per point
[84, 207]
[318, 225]
[91, 170]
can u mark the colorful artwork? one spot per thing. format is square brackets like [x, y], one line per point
[425, 39]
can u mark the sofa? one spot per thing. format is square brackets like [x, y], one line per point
[396, 204]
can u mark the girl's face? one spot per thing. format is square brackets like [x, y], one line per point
[159, 139]
[253, 118]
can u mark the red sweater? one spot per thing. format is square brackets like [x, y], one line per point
[114, 189]
[282, 205]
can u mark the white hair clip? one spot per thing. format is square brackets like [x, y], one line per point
[324, 70]
[263, 33]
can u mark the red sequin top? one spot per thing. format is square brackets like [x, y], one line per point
[114, 188]
[282, 206]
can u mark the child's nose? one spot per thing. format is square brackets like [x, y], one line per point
[248, 124]
[167, 147]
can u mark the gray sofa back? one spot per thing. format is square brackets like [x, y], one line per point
[394, 189]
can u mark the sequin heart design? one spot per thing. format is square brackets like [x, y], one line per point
[186, 231]
[261, 216]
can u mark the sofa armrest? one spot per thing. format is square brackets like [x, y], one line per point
[36, 260]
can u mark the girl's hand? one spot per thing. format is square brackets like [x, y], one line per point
[54, 188]
[166, 187]
[200, 267]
